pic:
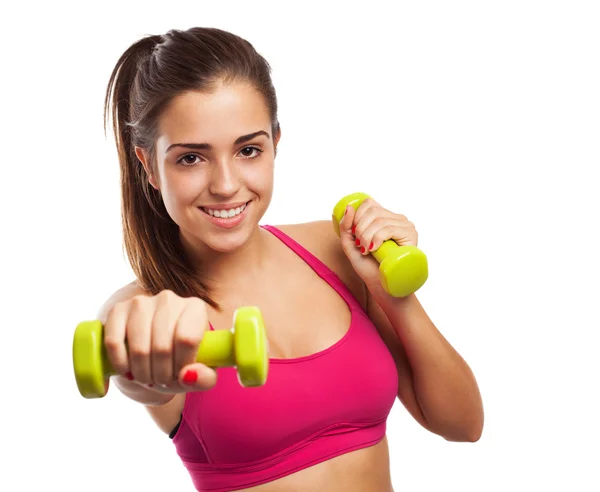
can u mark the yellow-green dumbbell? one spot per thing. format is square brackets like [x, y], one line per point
[243, 347]
[403, 269]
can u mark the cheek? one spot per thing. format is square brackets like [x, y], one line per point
[260, 178]
[181, 188]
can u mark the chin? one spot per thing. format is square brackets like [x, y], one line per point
[228, 242]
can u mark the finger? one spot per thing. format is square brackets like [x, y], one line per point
[139, 338]
[347, 221]
[378, 235]
[114, 338]
[163, 330]
[170, 388]
[191, 377]
[189, 329]
[197, 377]
[375, 227]
[399, 231]
[364, 216]
[362, 225]
[370, 216]
[346, 232]
[366, 204]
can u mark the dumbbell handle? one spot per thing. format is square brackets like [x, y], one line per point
[388, 247]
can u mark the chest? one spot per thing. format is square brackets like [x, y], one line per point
[303, 313]
[341, 392]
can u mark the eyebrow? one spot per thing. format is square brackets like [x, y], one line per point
[207, 146]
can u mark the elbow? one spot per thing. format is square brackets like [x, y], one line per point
[476, 428]
[471, 429]
[470, 434]
[471, 437]
[474, 435]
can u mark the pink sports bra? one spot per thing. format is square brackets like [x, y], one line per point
[311, 409]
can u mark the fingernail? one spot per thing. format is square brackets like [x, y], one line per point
[190, 377]
[362, 249]
[371, 246]
[129, 376]
[358, 242]
[353, 229]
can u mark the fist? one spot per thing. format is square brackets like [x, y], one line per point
[154, 340]
[365, 230]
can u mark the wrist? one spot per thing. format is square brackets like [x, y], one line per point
[385, 300]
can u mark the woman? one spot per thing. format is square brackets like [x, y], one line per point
[195, 119]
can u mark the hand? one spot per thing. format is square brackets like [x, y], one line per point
[365, 230]
[153, 341]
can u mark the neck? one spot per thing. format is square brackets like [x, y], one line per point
[225, 271]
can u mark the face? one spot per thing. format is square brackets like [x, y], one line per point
[214, 165]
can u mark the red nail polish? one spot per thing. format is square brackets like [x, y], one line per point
[362, 249]
[358, 242]
[190, 377]
[129, 376]
[353, 229]
[371, 246]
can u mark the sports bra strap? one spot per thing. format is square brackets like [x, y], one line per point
[317, 265]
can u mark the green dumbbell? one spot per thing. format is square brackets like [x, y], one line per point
[243, 347]
[403, 269]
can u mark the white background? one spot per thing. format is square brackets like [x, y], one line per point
[477, 120]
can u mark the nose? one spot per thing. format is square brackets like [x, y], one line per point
[224, 179]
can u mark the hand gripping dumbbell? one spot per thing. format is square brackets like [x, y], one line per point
[403, 269]
[244, 347]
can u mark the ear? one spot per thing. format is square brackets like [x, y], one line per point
[276, 139]
[278, 135]
[143, 157]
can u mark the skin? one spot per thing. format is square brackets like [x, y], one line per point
[163, 331]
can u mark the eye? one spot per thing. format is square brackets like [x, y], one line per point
[188, 160]
[247, 152]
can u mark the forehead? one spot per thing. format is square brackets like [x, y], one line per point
[217, 117]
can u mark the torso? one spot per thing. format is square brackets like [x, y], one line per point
[295, 329]
[365, 470]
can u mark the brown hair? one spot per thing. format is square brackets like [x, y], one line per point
[147, 76]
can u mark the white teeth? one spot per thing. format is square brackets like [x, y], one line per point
[225, 214]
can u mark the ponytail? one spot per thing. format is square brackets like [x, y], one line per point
[154, 250]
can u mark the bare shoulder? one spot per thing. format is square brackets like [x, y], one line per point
[320, 239]
[124, 293]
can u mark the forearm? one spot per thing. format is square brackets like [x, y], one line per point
[139, 393]
[444, 385]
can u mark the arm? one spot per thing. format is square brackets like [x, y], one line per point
[164, 409]
[436, 385]
[441, 390]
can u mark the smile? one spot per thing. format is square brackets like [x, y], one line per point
[225, 213]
